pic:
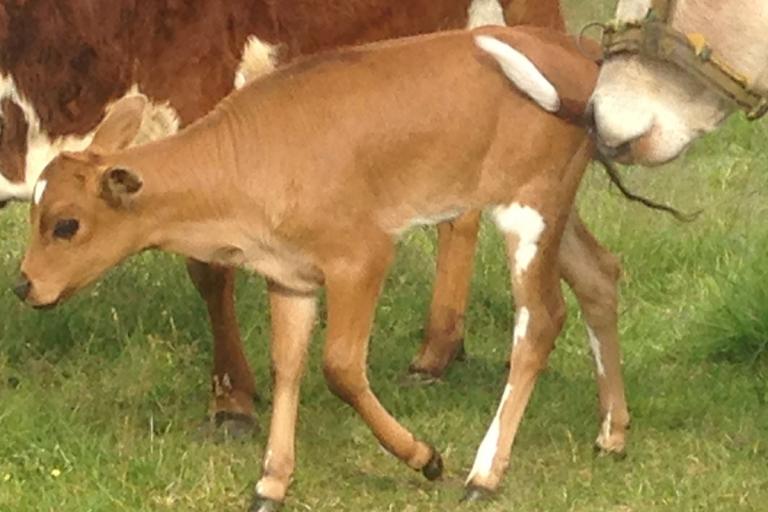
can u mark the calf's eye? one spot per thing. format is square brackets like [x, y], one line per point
[66, 228]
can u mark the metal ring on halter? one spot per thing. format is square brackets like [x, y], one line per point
[583, 31]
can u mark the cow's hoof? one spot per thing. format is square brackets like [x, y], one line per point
[475, 493]
[434, 468]
[261, 504]
[224, 425]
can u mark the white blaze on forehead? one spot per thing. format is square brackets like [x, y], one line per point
[528, 225]
[522, 72]
[521, 325]
[594, 343]
[39, 191]
[488, 448]
[258, 59]
[632, 10]
[485, 12]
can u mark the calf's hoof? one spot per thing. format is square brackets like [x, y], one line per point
[434, 468]
[261, 504]
[475, 493]
[616, 454]
[416, 378]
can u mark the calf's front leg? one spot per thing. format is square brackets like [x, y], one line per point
[293, 316]
[232, 382]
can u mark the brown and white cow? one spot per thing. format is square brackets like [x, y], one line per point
[323, 165]
[63, 62]
[648, 110]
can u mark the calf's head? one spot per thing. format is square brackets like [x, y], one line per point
[651, 110]
[83, 213]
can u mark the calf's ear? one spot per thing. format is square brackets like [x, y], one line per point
[120, 186]
[121, 124]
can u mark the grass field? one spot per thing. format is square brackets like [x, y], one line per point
[100, 399]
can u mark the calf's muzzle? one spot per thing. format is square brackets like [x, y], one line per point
[22, 287]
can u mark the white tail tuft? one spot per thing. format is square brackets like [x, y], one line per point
[522, 72]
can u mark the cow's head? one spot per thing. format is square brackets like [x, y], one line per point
[80, 221]
[650, 110]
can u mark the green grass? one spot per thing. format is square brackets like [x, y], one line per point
[100, 399]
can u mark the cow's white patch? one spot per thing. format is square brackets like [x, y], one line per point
[521, 325]
[485, 12]
[160, 120]
[258, 59]
[528, 225]
[594, 343]
[487, 451]
[632, 10]
[41, 149]
[522, 72]
[39, 191]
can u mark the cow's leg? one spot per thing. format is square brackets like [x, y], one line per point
[352, 289]
[593, 273]
[540, 312]
[293, 316]
[232, 381]
[444, 334]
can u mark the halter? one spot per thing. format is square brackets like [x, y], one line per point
[655, 38]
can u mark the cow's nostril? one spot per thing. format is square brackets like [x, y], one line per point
[22, 287]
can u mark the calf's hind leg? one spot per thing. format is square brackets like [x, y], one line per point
[232, 382]
[540, 312]
[352, 290]
[593, 273]
[444, 334]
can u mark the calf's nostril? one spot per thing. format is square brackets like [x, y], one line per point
[22, 288]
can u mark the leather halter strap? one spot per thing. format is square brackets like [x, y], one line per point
[654, 38]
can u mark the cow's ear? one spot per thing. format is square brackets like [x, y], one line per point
[119, 186]
[120, 126]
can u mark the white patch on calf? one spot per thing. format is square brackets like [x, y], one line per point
[522, 72]
[594, 343]
[487, 451]
[605, 429]
[39, 191]
[485, 12]
[521, 325]
[258, 59]
[528, 225]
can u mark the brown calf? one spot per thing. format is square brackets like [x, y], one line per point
[62, 62]
[309, 176]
